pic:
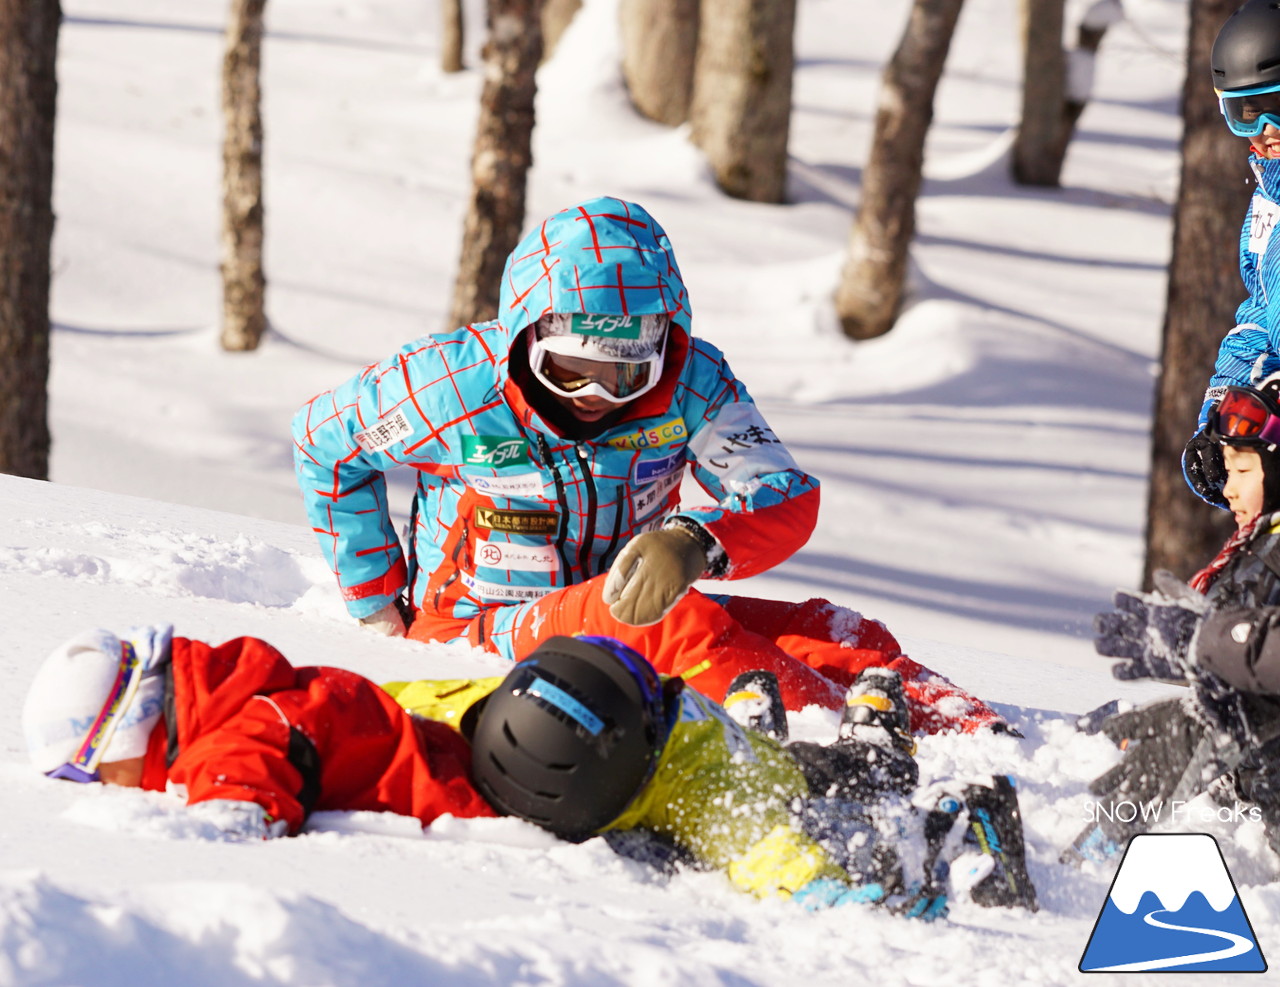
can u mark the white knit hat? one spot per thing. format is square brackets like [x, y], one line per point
[602, 337]
[101, 684]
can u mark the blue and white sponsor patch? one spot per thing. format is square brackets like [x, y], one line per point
[648, 470]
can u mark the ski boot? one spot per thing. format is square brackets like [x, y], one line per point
[755, 702]
[992, 864]
[875, 711]
[880, 849]
[872, 756]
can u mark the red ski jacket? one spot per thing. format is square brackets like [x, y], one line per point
[242, 723]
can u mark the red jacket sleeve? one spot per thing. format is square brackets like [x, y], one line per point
[247, 760]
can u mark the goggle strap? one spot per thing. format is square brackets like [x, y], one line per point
[104, 725]
[552, 695]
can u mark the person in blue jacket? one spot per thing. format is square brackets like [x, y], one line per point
[550, 444]
[1245, 62]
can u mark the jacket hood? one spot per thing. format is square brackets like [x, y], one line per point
[604, 256]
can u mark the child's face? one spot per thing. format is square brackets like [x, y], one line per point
[1243, 488]
[127, 772]
[1267, 143]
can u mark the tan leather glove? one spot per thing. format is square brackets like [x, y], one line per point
[651, 575]
[386, 621]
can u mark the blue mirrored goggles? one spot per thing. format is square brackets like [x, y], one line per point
[1249, 111]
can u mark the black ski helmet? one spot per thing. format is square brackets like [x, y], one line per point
[1246, 52]
[572, 734]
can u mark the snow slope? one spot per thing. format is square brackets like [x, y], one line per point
[983, 472]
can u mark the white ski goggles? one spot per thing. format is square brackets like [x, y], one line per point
[1249, 111]
[617, 381]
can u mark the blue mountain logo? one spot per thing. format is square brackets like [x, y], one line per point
[1173, 907]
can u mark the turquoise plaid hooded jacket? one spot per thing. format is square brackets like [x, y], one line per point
[506, 508]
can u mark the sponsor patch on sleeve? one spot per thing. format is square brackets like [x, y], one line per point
[738, 445]
[385, 432]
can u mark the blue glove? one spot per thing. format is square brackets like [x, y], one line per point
[923, 906]
[824, 892]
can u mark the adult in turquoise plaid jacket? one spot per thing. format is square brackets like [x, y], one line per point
[550, 444]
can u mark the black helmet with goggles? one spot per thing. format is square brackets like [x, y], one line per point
[572, 734]
[1245, 62]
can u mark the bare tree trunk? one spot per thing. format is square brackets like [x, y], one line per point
[1056, 85]
[501, 158]
[28, 101]
[244, 286]
[1203, 293]
[1040, 145]
[452, 32]
[871, 287]
[659, 45]
[741, 109]
[1100, 16]
[556, 17]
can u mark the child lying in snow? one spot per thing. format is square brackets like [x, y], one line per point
[1214, 635]
[582, 738]
[253, 740]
